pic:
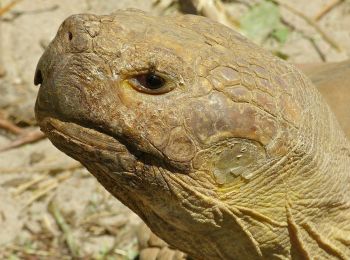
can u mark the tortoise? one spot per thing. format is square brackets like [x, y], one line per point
[224, 150]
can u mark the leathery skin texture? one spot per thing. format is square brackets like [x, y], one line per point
[230, 153]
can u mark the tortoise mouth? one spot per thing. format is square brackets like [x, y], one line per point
[69, 134]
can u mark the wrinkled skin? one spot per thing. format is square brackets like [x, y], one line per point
[239, 158]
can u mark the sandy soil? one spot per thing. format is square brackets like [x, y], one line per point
[50, 206]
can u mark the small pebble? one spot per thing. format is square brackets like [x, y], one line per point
[36, 157]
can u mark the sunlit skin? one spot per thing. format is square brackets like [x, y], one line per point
[225, 151]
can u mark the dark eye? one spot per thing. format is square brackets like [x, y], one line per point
[150, 81]
[70, 36]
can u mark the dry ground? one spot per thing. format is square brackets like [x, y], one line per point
[50, 207]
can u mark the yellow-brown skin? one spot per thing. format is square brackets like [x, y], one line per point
[333, 81]
[240, 158]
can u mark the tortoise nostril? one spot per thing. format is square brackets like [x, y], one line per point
[38, 78]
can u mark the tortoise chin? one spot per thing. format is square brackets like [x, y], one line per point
[88, 145]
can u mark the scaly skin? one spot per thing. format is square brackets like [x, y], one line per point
[239, 158]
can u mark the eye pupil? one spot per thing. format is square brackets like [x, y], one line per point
[153, 81]
[150, 83]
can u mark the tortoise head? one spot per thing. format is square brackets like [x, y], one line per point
[179, 117]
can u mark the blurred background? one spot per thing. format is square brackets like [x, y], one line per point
[50, 207]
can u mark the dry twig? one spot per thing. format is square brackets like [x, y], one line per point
[48, 167]
[93, 217]
[8, 126]
[8, 7]
[327, 8]
[34, 253]
[23, 187]
[24, 138]
[47, 187]
[65, 228]
[214, 9]
[311, 22]
[40, 194]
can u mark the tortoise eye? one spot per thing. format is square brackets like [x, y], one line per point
[150, 83]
